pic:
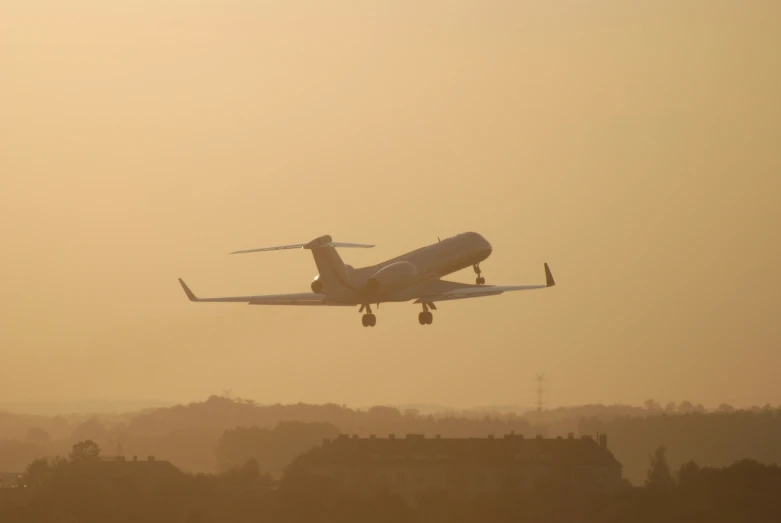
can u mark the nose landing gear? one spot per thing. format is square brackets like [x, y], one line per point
[479, 280]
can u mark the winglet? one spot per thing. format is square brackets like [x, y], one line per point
[548, 277]
[190, 295]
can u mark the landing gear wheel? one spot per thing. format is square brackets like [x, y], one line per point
[365, 320]
[372, 320]
[425, 318]
[369, 320]
[479, 280]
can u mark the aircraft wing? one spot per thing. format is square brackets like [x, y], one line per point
[455, 291]
[302, 298]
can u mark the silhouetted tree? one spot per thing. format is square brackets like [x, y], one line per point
[85, 451]
[689, 475]
[383, 412]
[659, 475]
[38, 472]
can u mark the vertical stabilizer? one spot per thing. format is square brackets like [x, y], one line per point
[331, 268]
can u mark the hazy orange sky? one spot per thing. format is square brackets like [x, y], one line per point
[633, 145]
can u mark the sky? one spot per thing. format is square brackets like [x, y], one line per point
[634, 146]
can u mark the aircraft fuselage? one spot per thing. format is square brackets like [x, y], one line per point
[396, 279]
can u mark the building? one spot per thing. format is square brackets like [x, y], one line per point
[411, 465]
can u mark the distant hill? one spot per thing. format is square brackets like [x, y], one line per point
[85, 406]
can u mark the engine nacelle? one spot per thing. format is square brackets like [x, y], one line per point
[391, 277]
[317, 285]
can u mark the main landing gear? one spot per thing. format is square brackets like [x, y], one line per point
[368, 319]
[425, 317]
[479, 280]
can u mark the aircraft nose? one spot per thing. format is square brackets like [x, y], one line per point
[486, 246]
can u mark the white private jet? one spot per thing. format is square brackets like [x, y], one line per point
[412, 276]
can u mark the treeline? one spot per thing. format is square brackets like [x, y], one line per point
[188, 435]
[197, 437]
[223, 412]
[715, 439]
[87, 489]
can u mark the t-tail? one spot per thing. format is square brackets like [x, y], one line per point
[333, 273]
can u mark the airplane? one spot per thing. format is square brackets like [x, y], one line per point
[412, 276]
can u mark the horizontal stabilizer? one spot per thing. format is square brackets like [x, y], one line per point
[317, 243]
[349, 245]
[277, 248]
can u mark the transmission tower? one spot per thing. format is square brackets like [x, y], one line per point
[540, 391]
